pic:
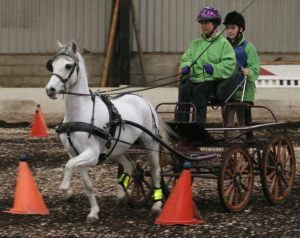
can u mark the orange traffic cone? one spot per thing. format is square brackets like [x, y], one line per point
[180, 208]
[28, 199]
[39, 127]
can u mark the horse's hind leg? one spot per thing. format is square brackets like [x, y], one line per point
[123, 178]
[89, 190]
[153, 156]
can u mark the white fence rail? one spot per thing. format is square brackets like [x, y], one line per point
[278, 82]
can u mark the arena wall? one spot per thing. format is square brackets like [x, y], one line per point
[28, 70]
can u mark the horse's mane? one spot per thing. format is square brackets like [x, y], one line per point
[68, 50]
[81, 64]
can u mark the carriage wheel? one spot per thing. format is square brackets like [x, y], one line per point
[168, 180]
[140, 188]
[168, 171]
[278, 169]
[236, 179]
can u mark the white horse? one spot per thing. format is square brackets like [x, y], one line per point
[69, 77]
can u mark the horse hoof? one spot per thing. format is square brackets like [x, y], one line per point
[90, 220]
[122, 202]
[156, 208]
[155, 211]
[67, 195]
[70, 199]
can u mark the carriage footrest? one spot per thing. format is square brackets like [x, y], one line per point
[191, 131]
[196, 157]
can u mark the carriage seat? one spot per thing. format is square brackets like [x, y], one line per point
[190, 111]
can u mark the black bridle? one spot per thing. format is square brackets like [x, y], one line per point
[65, 52]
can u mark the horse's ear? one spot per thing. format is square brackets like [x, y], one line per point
[60, 45]
[74, 46]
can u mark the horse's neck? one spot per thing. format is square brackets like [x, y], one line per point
[77, 108]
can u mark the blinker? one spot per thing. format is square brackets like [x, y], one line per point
[49, 65]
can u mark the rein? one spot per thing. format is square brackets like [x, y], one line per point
[148, 88]
[219, 35]
[108, 92]
[115, 120]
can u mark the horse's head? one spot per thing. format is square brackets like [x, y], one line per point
[64, 68]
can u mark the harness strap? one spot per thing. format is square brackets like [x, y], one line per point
[114, 115]
[93, 98]
[69, 127]
[71, 143]
[68, 53]
[115, 120]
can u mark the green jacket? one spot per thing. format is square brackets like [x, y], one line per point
[253, 65]
[220, 55]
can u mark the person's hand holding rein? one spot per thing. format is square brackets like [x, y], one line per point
[185, 70]
[208, 68]
[245, 71]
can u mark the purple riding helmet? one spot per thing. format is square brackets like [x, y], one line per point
[209, 14]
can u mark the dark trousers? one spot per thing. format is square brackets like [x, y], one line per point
[243, 114]
[197, 93]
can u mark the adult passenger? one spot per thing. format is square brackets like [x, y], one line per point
[208, 60]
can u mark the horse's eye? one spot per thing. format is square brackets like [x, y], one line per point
[69, 66]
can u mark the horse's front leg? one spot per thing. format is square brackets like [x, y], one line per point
[86, 159]
[89, 190]
[65, 187]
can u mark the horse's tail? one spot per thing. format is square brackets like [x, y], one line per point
[155, 119]
[167, 133]
[169, 136]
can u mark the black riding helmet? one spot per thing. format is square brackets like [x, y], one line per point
[235, 18]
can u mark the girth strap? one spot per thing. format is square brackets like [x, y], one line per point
[71, 143]
[69, 127]
[93, 98]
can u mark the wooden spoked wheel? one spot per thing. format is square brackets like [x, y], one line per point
[169, 171]
[168, 180]
[236, 179]
[278, 169]
[140, 188]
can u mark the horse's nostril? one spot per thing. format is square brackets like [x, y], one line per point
[51, 91]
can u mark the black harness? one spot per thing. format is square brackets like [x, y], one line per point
[69, 127]
[66, 52]
[115, 120]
